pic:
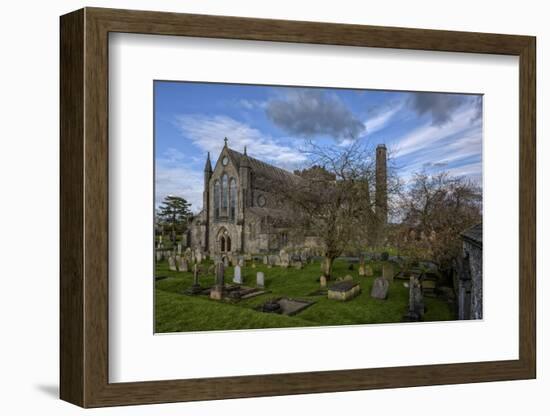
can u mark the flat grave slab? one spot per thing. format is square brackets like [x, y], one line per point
[344, 291]
[285, 306]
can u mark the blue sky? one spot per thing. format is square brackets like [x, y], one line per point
[432, 132]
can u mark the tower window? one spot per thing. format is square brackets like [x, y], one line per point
[233, 197]
[216, 199]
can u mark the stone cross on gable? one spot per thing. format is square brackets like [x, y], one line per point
[225, 140]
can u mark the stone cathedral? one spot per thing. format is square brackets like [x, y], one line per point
[241, 215]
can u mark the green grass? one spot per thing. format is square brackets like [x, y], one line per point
[177, 312]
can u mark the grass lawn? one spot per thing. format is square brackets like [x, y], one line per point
[177, 312]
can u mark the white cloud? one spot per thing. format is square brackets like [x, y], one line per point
[173, 176]
[428, 136]
[208, 132]
[379, 121]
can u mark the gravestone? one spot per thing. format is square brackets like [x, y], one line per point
[380, 288]
[416, 301]
[265, 260]
[253, 265]
[284, 258]
[183, 266]
[348, 278]
[198, 256]
[361, 270]
[298, 265]
[179, 248]
[220, 274]
[237, 275]
[196, 288]
[159, 256]
[172, 264]
[387, 271]
[260, 279]
[368, 271]
[323, 281]
[225, 261]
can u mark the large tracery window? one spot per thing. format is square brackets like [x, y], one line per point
[233, 197]
[224, 195]
[216, 199]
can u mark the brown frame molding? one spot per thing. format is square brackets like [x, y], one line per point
[84, 207]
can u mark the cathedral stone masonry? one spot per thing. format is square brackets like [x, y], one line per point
[240, 212]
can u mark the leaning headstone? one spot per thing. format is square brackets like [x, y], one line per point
[172, 264]
[237, 275]
[380, 288]
[260, 279]
[183, 266]
[387, 272]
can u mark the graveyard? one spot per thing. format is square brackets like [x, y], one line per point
[180, 309]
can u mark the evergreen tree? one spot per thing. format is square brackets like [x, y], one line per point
[174, 213]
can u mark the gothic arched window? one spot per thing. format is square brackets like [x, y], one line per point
[224, 195]
[233, 198]
[216, 199]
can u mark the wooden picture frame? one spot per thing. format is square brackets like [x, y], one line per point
[84, 207]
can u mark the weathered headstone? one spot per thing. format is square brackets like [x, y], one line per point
[297, 265]
[284, 258]
[368, 271]
[220, 274]
[348, 278]
[260, 279]
[172, 264]
[387, 271]
[159, 256]
[265, 260]
[183, 266]
[253, 265]
[380, 288]
[225, 261]
[323, 281]
[237, 275]
[361, 270]
[416, 301]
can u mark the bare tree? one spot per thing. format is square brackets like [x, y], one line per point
[435, 210]
[333, 199]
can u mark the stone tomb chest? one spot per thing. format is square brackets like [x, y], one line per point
[343, 291]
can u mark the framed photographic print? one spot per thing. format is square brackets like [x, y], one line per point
[256, 207]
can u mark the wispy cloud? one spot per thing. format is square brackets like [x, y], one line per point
[208, 132]
[379, 121]
[174, 175]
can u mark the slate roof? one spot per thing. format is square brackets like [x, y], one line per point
[474, 234]
[262, 169]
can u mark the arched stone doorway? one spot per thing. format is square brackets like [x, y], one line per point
[224, 241]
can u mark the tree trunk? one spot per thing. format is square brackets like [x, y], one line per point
[329, 261]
